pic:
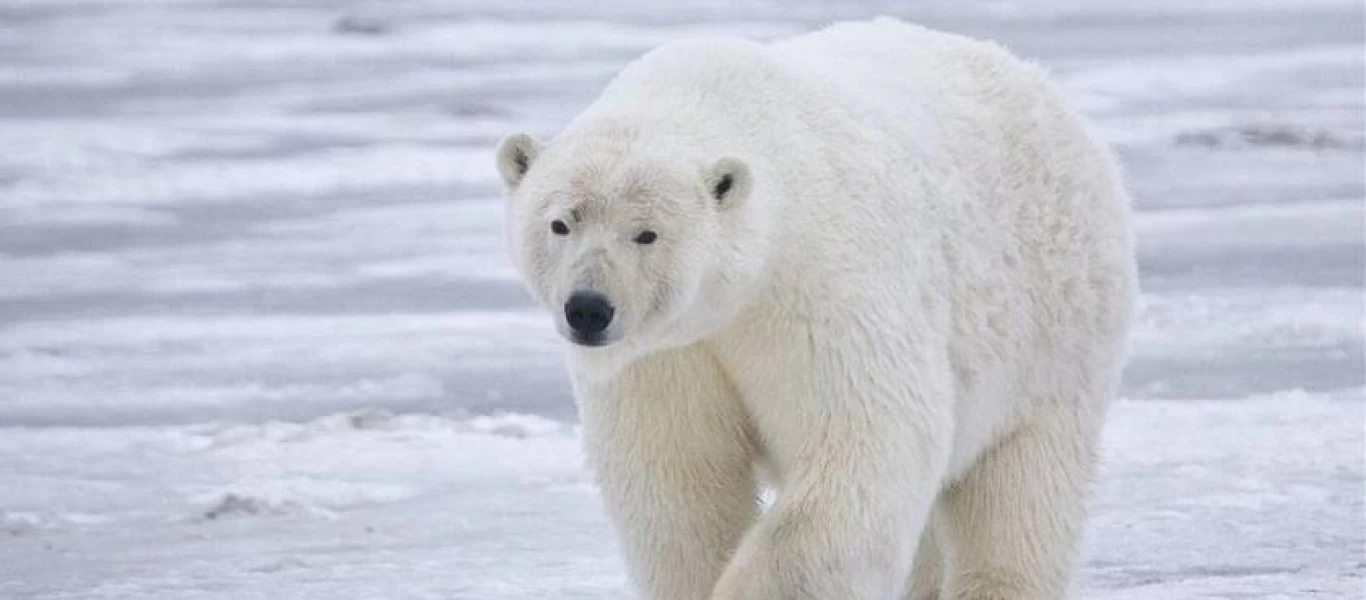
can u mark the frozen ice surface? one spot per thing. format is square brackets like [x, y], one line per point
[258, 337]
[1257, 497]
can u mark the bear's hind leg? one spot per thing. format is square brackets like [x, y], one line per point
[1014, 521]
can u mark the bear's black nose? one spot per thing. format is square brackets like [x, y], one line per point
[588, 313]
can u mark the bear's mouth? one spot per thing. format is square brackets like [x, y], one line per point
[594, 340]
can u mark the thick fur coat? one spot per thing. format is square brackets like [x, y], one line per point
[888, 270]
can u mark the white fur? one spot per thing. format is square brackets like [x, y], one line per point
[909, 310]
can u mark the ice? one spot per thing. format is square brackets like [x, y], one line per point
[1200, 498]
[259, 336]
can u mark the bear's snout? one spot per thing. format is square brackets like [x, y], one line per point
[588, 314]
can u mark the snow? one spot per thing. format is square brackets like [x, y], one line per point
[1199, 499]
[259, 337]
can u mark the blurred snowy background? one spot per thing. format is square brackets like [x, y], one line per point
[258, 337]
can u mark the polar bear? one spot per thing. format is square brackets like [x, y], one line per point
[885, 270]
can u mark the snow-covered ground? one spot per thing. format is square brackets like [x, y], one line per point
[258, 338]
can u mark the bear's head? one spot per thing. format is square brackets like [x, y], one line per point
[628, 244]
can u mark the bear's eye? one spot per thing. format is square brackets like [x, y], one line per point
[559, 227]
[722, 187]
[646, 237]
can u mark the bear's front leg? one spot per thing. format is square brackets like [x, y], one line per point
[671, 447]
[860, 462]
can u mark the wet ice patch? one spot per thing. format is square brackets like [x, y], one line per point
[365, 25]
[318, 498]
[20, 523]
[30, 522]
[1274, 135]
[235, 505]
[377, 424]
[517, 425]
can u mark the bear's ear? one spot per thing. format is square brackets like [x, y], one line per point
[728, 180]
[515, 155]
